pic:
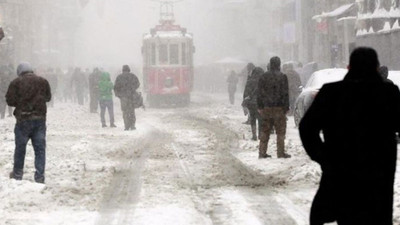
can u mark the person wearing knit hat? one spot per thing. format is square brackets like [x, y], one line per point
[29, 93]
[125, 88]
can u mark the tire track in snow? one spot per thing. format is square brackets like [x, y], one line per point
[123, 193]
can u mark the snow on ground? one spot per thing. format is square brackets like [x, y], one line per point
[296, 178]
[83, 161]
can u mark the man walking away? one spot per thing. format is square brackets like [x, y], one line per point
[94, 79]
[294, 82]
[249, 69]
[125, 88]
[79, 82]
[359, 119]
[273, 104]
[106, 100]
[250, 101]
[232, 80]
[29, 94]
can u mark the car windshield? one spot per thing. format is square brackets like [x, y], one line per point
[319, 78]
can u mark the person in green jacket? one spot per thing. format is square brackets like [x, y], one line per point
[106, 99]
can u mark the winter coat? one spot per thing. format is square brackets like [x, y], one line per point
[251, 89]
[28, 94]
[105, 87]
[273, 89]
[232, 80]
[126, 85]
[359, 119]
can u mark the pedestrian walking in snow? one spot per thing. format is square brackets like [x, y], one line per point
[232, 81]
[249, 68]
[125, 89]
[359, 119]
[250, 101]
[384, 72]
[294, 83]
[29, 94]
[94, 79]
[273, 104]
[106, 100]
[79, 84]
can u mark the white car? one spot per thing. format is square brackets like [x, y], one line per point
[314, 84]
[395, 77]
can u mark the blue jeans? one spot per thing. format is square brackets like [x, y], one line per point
[35, 130]
[109, 104]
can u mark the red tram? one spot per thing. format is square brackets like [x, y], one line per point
[168, 61]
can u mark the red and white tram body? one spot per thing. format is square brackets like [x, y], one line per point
[168, 64]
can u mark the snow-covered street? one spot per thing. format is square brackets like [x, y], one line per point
[194, 165]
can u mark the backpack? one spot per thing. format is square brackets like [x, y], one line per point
[138, 100]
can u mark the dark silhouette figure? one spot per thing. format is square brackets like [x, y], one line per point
[273, 104]
[250, 101]
[384, 72]
[125, 89]
[232, 81]
[359, 118]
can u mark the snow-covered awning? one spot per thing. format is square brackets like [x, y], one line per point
[335, 13]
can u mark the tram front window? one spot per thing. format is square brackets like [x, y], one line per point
[163, 54]
[174, 54]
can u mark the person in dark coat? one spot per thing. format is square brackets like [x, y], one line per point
[250, 101]
[94, 79]
[249, 69]
[79, 84]
[232, 81]
[125, 88]
[29, 94]
[384, 72]
[359, 119]
[273, 104]
[294, 82]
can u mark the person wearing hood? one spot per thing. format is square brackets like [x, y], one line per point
[125, 88]
[29, 94]
[359, 120]
[105, 99]
[384, 72]
[273, 105]
[250, 101]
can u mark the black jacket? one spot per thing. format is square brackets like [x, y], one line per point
[126, 85]
[251, 89]
[273, 90]
[359, 119]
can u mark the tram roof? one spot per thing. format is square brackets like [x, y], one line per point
[168, 34]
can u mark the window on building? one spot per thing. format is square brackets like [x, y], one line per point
[163, 54]
[184, 60]
[174, 54]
